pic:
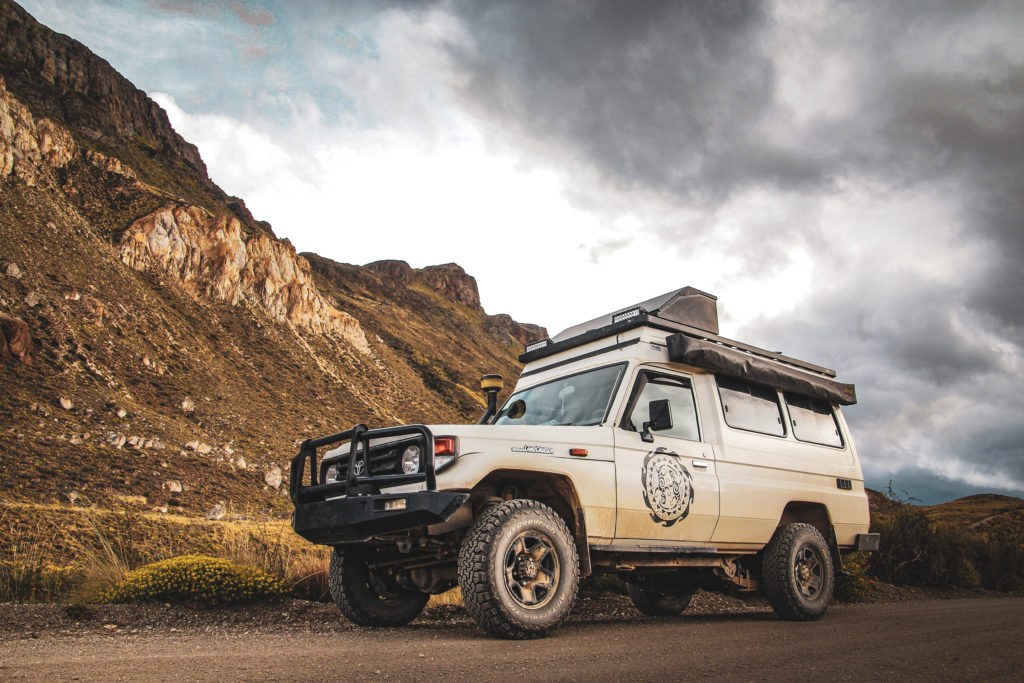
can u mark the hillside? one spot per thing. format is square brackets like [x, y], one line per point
[160, 346]
[984, 512]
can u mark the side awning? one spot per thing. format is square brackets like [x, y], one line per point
[727, 361]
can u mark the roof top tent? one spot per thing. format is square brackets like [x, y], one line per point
[691, 316]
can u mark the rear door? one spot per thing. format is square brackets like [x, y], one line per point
[667, 487]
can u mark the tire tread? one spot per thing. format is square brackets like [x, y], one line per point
[479, 594]
[346, 578]
[776, 568]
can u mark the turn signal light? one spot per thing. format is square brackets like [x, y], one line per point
[581, 452]
[444, 445]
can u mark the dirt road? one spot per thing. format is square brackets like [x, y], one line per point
[933, 639]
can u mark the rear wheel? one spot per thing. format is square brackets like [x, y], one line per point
[657, 603]
[369, 597]
[797, 573]
[519, 570]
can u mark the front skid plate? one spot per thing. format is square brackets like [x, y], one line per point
[357, 517]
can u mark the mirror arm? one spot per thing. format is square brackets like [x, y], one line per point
[645, 433]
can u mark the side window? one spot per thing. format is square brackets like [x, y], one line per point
[813, 420]
[652, 387]
[751, 406]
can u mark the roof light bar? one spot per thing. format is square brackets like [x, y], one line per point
[627, 314]
[539, 344]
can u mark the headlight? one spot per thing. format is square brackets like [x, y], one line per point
[442, 461]
[331, 474]
[411, 460]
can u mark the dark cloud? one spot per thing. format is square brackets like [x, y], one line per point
[925, 487]
[654, 93]
[690, 101]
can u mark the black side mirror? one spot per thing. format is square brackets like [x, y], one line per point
[516, 410]
[661, 419]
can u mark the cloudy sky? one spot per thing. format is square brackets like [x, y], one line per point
[848, 178]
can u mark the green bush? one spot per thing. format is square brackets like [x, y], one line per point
[917, 551]
[852, 584]
[194, 577]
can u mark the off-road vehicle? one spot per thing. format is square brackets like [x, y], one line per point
[640, 443]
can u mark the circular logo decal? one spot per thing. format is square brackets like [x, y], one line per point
[668, 487]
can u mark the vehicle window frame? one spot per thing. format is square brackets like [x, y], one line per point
[636, 390]
[835, 421]
[780, 403]
[613, 394]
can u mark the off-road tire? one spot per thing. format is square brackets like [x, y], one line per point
[655, 603]
[797, 573]
[491, 591]
[362, 602]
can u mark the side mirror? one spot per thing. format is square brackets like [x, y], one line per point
[661, 419]
[516, 410]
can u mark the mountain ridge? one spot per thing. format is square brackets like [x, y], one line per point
[161, 344]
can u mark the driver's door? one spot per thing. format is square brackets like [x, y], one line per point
[667, 487]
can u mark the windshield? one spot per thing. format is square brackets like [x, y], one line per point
[580, 399]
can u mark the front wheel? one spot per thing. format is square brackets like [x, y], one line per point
[797, 573]
[519, 570]
[369, 597]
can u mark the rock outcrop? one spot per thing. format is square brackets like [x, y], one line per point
[504, 328]
[452, 282]
[449, 280]
[66, 80]
[212, 257]
[15, 339]
[30, 146]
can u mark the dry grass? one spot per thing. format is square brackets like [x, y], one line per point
[28, 574]
[105, 564]
[307, 577]
[53, 553]
[452, 597]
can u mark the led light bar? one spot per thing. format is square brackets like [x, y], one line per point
[540, 344]
[626, 315]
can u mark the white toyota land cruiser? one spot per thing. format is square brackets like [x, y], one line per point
[640, 443]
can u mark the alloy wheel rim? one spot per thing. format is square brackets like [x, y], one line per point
[531, 569]
[809, 571]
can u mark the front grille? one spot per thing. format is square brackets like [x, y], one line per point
[385, 459]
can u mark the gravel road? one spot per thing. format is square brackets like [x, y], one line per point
[957, 639]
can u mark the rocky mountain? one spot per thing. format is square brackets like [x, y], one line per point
[159, 346]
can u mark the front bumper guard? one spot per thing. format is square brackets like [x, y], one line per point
[357, 518]
[327, 513]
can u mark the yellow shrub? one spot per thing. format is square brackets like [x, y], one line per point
[853, 584]
[194, 577]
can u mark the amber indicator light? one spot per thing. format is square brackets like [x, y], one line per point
[578, 451]
[444, 446]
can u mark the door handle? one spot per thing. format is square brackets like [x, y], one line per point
[701, 464]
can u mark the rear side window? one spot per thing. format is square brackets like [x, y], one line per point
[753, 407]
[813, 420]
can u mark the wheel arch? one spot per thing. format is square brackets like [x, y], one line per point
[557, 491]
[817, 515]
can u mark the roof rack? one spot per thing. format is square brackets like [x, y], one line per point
[687, 310]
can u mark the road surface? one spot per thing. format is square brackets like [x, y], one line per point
[962, 639]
